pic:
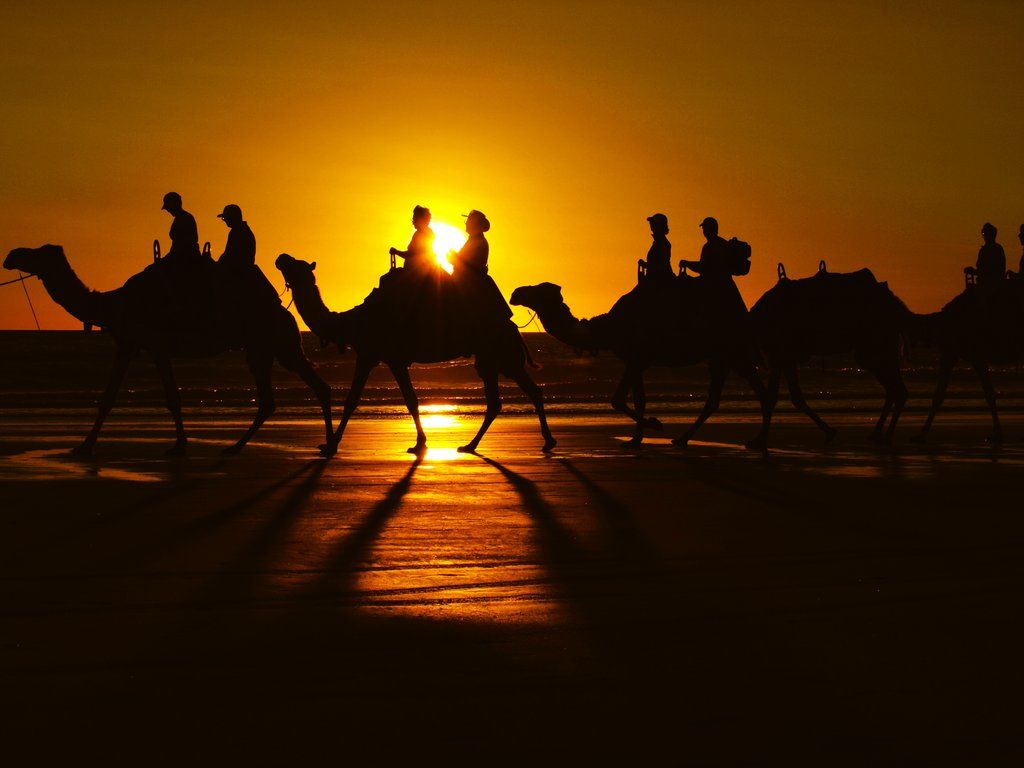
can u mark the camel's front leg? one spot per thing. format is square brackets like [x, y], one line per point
[636, 379]
[296, 361]
[493, 395]
[260, 365]
[796, 395]
[355, 392]
[981, 369]
[529, 386]
[173, 395]
[620, 404]
[748, 371]
[945, 371]
[117, 373]
[401, 374]
[719, 370]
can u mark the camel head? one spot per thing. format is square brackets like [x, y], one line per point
[297, 273]
[37, 261]
[539, 298]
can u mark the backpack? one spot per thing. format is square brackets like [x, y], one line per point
[739, 257]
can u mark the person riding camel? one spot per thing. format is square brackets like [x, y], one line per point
[990, 270]
[715, 269]
[240, 249]
[419, 256]
[184, 233]
[658, 265]
[482, 302]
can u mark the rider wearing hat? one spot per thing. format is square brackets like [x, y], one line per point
[184, 233]
[481, 297]
[990, 269]
[659, 255]
[240, 249]
[713, 266]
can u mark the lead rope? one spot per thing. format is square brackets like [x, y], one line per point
[21, 279]
[533, 316]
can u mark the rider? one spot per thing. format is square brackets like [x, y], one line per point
[990, 270]
[419, 256]
[240, 249]
[184, 233]
[659, 256]
[481, 299]
[713, 266]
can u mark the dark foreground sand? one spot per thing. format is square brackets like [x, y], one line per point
[848, 605]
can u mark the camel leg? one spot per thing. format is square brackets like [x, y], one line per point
[117, 373]
[945, 371]
[640, 406]
[900, 396]
[173, 394]
[493, 395]
[260, 365]
[355, 392]
[990, 399]
[297, 362]
[401, 374]
[796, 394]
[619, 399]
[878, 435]
[536, 395]
[718, 373]
[748, 371]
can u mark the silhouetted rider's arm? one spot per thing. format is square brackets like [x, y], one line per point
[694, 265]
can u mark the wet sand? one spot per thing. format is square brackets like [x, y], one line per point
[842, 605]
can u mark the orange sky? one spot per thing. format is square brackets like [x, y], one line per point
[857, 132]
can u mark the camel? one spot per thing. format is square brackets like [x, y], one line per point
[828, 314]
[123, 314]
[376, 339]
[963, 330]
[617, 332]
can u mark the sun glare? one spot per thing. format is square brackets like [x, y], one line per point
[446, 238]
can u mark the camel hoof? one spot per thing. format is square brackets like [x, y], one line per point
[233, 450]
[681, 442]
[417, 450]
[84, 450]
[653, 423]
[549, 445]
[996, 439]
[328, 449]
[633, 442]
[178, 449]
[758, 444]
[830, 435]
[466, 448]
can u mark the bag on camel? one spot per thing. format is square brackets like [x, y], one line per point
[739, 257]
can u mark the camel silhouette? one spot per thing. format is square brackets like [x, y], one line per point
[124, 314]
[983, 328]
[832, 313]
[376, 339]
[619, 332]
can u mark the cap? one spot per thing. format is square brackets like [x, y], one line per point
[230, 211]
[169, 197]
[709, 221]
[658, 218]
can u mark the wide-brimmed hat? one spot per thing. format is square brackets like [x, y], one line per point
[479, 217]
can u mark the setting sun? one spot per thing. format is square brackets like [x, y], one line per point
[446, 238]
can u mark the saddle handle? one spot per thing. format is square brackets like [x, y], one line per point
[393, 261]
[206, 250]
[821, 266]
[641, 271]
[156, 251]
[781, 270]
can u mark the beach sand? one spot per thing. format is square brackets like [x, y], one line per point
[842, 605]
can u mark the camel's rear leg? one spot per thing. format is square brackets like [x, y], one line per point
[529, 386]
[895, 400]
[173, 395]
[355, 393]
[493, 395]
[620, 404]
[401, 374]
[945, 371]
[796, 395]
[719, 371]
[990, 399]
[260, 365]
[297, 362]
[117, 373]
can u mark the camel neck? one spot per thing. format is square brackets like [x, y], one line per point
[560, 322]
[70, 292]
[312, 309]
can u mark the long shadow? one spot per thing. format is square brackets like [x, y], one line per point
[626, 537]
[203, 525]
[351, 550]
